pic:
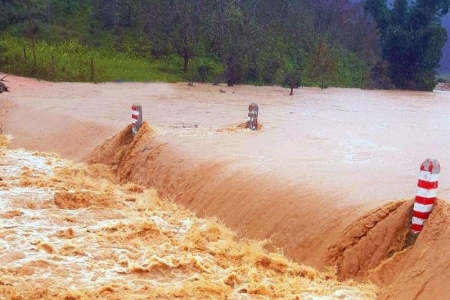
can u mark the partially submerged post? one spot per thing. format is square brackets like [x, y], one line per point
[425, 197]
[252, 122]
[136, 118]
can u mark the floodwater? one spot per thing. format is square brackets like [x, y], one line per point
[328, 170]
[335, 139]
[67, 233]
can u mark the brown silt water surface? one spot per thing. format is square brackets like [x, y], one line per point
[328, 177]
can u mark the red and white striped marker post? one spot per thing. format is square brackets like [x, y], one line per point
[252, 122]
[426, 194]
[136, 118]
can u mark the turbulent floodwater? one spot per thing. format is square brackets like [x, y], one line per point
[329, 178]
[69, 233]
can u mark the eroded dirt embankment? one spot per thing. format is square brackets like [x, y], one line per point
[305, 223]
[373, 248]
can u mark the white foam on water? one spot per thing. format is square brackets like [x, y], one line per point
[33, 245]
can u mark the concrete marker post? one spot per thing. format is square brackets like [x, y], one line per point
[136, 118]
[425, 197]
[252, 122]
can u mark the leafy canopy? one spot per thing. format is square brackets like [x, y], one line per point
[412, 38]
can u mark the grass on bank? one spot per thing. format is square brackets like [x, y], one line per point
[70, 61]
[73, 62]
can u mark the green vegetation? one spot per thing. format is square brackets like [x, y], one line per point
[71, 61]
[287, 42]
[412, 38]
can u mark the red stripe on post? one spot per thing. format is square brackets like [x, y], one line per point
[420, 215]
[134, 113]
[428, 185]
[416, 227]
[432, 166]
[136, 118]
[425, 201]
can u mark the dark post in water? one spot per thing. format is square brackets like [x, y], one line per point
[252, 122]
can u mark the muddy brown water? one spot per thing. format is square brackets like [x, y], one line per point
[322, 159]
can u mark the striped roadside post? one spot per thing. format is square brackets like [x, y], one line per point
[426, 194]
[252, 122]
[136, 118]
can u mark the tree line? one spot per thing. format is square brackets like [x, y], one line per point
[291, 42]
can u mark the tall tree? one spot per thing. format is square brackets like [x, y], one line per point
[185, 27]
[412, 38]
[155, 19]
[323, 62]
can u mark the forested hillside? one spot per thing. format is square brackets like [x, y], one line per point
[289, 42]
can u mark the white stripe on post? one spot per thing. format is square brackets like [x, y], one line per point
[423, 208]
[427, 176]
[426, 194]
[417, 221]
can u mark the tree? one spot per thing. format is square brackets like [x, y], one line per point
[10, 13]
[412, 38]
[31, 33]
[116, 16]
[357, 33]
[233, 39]
[185, 24]
[153, 17]
[323, 61]
[236, 36]
[292, 78]
[2, 54]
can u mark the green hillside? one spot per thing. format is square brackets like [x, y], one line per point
[263, 42]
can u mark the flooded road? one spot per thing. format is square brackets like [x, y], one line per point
[322, 160]
[364, 145]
